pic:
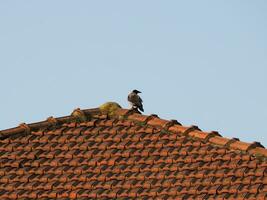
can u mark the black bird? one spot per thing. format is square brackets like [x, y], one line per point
[135, 100]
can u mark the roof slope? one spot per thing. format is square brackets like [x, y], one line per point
[118, 153]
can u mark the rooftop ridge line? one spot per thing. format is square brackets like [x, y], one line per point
[255, 148]
[23, 128]
[113, 110]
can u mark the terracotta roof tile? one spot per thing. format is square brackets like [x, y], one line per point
[138, 118]
[181, 129]
[98, 153]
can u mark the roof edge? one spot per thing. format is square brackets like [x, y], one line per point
[213, 137]
[113, 110]
[77, 115]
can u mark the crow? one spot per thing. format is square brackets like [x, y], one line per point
[135, 100]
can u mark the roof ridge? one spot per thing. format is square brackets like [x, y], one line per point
[213, 137]
[113, 110]
[77, 115]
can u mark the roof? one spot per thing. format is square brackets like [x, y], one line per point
[110, 152]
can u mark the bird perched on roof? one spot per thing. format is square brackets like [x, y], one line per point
[135, 100]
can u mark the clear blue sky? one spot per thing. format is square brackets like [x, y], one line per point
[200, 62]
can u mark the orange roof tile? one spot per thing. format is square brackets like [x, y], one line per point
[119, 153]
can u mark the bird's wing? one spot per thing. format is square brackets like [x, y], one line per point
[135, 99]
[140, 99]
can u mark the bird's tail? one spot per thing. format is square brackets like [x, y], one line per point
[141, 108]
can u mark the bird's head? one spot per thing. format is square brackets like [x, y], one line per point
[136, 91]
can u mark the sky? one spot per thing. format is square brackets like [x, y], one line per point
[202, 63]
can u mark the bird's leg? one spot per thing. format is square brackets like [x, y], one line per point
[134, 108]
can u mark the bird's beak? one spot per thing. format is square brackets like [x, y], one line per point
[139, 92]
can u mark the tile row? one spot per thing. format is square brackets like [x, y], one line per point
[120, 149]
[174, 146]
[120, 160]
[185, 192]
[138, 172]
[130, 179]
[96, 134]
[127, 158]
[117, 185]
